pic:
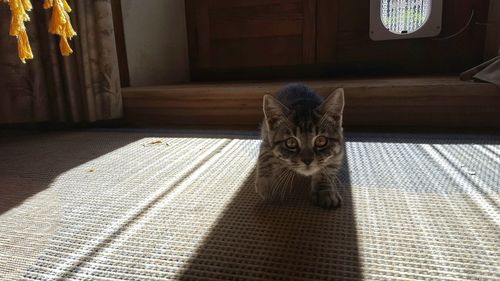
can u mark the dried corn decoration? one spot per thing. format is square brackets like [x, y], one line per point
[59, 24]
[19, 10]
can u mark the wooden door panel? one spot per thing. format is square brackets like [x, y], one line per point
[235, 28]
[256, 52]
[326, 31]
[239, 34]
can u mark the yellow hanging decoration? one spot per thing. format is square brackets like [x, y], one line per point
[19, 9]
[59, 24]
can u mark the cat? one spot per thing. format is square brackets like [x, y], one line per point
[301, 135]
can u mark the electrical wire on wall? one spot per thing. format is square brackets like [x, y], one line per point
[460, 31]
[466, 26]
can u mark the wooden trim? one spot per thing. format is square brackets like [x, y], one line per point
[121, 50]
[437, 102]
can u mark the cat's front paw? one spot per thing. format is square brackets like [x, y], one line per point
[327, 198]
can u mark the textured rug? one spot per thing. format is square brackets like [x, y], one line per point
[137, 205]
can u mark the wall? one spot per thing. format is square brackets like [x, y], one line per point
[492, 46]
[156, 41]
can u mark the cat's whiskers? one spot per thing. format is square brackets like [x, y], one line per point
[282, 183]
[286, 186]
[278, 182]
[280, 187]
[338, 180]
[290, 187]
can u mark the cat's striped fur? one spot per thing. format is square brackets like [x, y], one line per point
[301, 135]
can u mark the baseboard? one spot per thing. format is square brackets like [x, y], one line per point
[416, 102]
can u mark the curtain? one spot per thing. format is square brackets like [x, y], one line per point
[83, 87]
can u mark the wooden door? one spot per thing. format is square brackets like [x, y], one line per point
[255, 39]
[235, 34]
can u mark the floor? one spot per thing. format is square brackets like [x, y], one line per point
[157, 205]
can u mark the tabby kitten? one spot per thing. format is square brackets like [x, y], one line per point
[301, 135]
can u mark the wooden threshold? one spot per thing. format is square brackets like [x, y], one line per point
[424, 102]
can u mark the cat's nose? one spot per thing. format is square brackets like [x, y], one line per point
[307, 161]
[307, 156]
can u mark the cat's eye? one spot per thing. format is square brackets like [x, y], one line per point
[291, 143]
[320, 142]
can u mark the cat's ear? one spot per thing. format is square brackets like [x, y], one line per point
[274, 111]
[333, 106]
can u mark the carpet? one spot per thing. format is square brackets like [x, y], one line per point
[161, 205]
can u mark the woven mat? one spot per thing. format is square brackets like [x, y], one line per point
[106, 205]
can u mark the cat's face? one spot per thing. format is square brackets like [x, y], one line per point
[306, 139]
